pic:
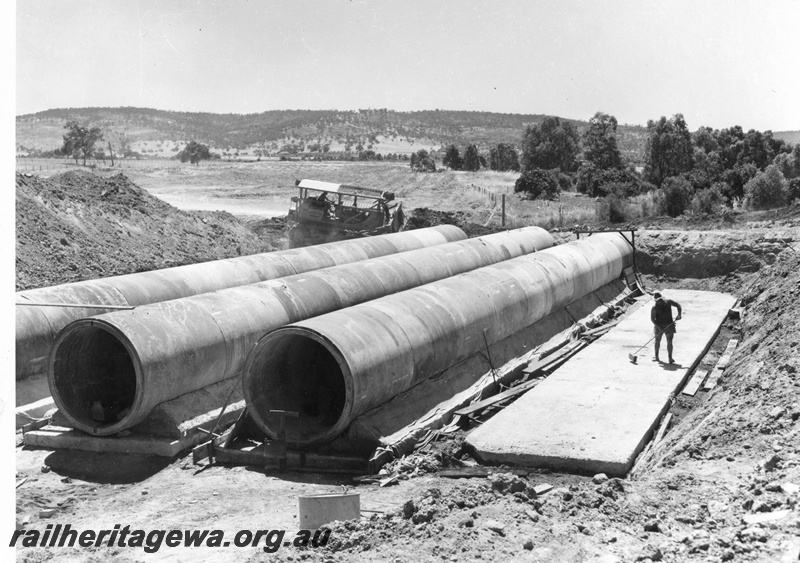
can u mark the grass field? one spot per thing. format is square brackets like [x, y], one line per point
[265, 188]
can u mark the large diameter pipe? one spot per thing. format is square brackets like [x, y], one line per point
[38, 326]
[124, 363]
[337, 366]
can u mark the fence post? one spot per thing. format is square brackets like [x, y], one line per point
[503, 215]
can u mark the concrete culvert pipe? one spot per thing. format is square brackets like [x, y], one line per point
[334, 367]
[38, 326]
[84, 357]
[164, 350]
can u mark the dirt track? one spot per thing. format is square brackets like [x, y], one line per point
[730, 458]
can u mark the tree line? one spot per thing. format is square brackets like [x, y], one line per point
[707, 169]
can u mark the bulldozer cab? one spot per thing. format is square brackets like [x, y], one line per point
[325, 212]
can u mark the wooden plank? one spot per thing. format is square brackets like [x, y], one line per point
[713, 379]
[481, 471]
[295, 461]
[552, 360]
[201, 452]
[663, 428]
[726, 356]
[235, 430]
[205, 449]
[35, 425]
[722, 363]
[602, 329]
[630, 276]
[694, 383]
[240, 457]
[491, 401]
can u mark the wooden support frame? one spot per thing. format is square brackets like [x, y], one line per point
[632, 241]
[274, 454]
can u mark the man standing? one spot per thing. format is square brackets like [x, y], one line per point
[661, 316]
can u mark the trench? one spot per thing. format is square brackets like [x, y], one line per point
[93, 377]
[299, 374]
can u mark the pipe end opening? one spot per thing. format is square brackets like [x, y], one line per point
[293, 372]
[93, 377]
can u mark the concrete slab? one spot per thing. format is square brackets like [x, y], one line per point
[597, 411]
[58, 437]
[33, 411]
[174, 437]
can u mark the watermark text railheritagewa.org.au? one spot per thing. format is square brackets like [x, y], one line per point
[58, 535]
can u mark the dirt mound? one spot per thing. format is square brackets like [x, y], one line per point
[422, 217]
[78, 225]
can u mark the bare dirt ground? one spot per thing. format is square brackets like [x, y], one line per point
[721, 486]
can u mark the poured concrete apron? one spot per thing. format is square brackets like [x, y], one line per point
[596, 413]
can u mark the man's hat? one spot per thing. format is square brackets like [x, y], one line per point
[657, 295]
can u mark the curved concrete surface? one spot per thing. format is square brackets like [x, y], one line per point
[37, 327]
[336, 366]
[107, 372]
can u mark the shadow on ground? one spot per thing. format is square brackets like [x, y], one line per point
[107, 468]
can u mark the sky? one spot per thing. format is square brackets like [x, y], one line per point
[720, 63]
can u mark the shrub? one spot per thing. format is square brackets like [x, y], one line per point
[785, 164]
[613, 208]
[620, 189]
[472, 161]
[767, 189]
[584, 180]
[452, 159]
[737, 177]
[564, 182]
[794, 189]
[646, 203]
[674, 196]
[421, 161]
[595, 182]
[538, 184]
[709, 200]
[698, 178]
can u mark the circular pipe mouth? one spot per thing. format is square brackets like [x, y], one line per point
[95, 377]
[297, 370]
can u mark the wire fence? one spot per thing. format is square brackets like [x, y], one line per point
[26, 164]
[492, 195]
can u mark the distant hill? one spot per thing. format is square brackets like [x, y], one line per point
[159, 133]
[791, 137]
[163, 133]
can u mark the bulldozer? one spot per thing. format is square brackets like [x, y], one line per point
[326, 212]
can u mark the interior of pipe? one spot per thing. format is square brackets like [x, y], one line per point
[297, 374]
[94, 377]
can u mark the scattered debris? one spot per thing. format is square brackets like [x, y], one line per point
[495, 526]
